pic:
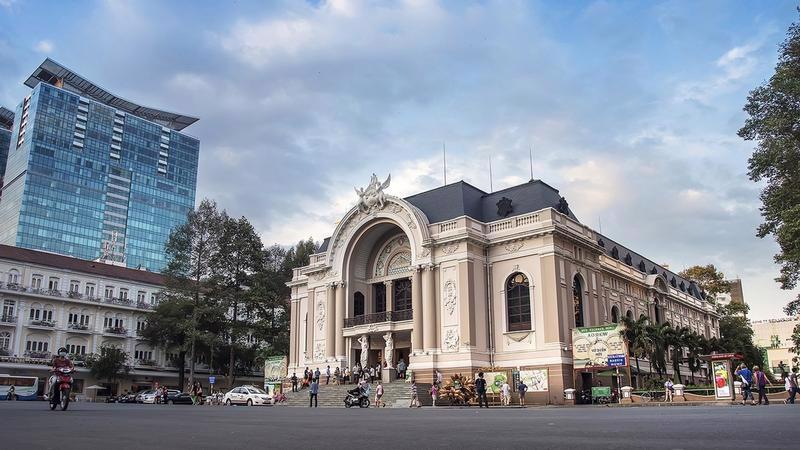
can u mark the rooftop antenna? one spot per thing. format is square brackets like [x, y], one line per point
[444, 158]
[530, 158]
[491, 188]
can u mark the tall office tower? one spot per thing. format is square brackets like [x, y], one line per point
[94, 176]
[6, 123]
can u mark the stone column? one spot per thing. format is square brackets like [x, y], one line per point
[310, 326]
[293, 330]
[429, 308]
[330, 324]
[389, 295]
[416, 306]
[19, 342]
[339, 318]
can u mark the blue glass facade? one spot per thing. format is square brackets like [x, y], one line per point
[89, 181]
[5, 142]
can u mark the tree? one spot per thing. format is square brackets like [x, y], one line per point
[657, 335]
[637, 339]
[189, 251]
[697, 345]
[710, 280]
[168, 328]
[736, 335]
[110, 364]
[774, 114]
[677, 339]
[238, 257]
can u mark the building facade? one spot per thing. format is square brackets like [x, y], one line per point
[94, 176]
[735, 295]
[6, 123]
[775, 336]
[456, 279]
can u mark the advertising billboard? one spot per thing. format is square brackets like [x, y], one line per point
[535, 379]
[599, 347]
[722, 379]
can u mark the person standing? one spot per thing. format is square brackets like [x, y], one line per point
[336, 375]
[505, 389]
[438, 378]
[401, 369]
[434, 393]
[522, 388]
[747, 383]
[790, 383]
[313, 389]
[414, 394]
[294, 381]
[668, 390]
[371, 374]
[328, 375]
[378, 394]
[480, 388]
[317, 373]
[346, 378]
[761, 382]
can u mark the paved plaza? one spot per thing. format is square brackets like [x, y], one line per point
[30, 425]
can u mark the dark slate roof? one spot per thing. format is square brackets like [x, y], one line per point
[324, 245]
[25, 255]
[6, 118]
[462, 199]
[639, 262]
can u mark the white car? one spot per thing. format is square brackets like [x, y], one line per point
[247, 395]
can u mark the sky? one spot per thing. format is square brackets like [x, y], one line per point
[630, 108]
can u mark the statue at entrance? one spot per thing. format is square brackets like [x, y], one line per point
[373, 195]
[389, 350]
[364, 341]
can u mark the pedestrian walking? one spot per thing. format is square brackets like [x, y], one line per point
[294, 382]
[328, 375]
[378, 370]
[505, 391]
[747, 383]
[317, 374]
[438, 378]
[761, 382]
[11, 393]
[313, 389]
[414, 395]
[791, 385]
[668, 390]
[522, 388]
[378, 394]
[434, 393]
[480, 388]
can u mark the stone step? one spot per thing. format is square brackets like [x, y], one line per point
[397, 394]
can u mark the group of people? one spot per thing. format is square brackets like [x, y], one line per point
[505, 392]
[757, 380]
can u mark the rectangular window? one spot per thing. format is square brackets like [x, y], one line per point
[140, 296]
[89, 290]
[36, 282]
[53, 284]
[109, 291]
[74, 286]
[123, 293]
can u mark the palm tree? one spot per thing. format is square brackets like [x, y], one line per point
[636, 339]
[676, 339]
[697, 344]
[657, 338]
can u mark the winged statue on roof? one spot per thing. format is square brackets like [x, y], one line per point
[372, 195]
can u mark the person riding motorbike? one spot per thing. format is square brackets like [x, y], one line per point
[60, 361]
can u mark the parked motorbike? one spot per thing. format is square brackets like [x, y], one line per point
[360, 400]
[60, 388]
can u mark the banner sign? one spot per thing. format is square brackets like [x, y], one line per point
[598, 347]
[275, 368]
[535, 379]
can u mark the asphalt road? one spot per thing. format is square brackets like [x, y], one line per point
[31, 425]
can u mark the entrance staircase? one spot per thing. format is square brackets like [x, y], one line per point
[395, 395]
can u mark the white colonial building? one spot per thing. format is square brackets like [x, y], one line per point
[50, 301]
[458, 279]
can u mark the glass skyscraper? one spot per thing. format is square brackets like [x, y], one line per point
[95, 176]
[6, 123]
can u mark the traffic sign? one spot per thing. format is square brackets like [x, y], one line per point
[212, 380]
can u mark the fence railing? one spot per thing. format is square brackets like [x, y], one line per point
[386, 316]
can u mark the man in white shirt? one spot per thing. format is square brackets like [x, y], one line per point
[506, 391]
[668, 389]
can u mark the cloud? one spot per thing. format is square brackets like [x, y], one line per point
[44, 46]
[7, 3]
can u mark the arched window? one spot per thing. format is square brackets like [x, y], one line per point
[358, 304]
[13, 276]
[402, 295]
[518, 302]
[5, 340]
[380, 297]
[629, 314]
[615, 314]
[577, 301]
[658, 311]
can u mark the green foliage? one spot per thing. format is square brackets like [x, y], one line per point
[110, 364]
[710, 280]
[774, 113]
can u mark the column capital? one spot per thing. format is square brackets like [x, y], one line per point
[430, 267]
[388, 282]
[337, 284]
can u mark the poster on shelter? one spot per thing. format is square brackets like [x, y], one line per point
[722, 384]
[535, 379]
[599, 347]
